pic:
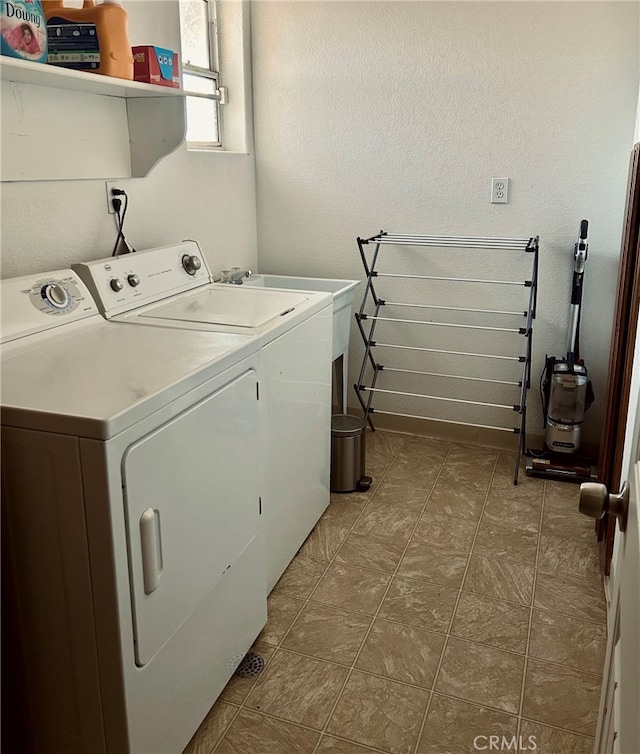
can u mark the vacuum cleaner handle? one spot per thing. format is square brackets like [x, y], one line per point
[581, 248]
[580, 251]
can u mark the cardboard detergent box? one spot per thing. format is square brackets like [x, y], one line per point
[156, 65]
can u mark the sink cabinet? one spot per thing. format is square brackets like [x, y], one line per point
[343, 292]
[60, 124]
[295, 405]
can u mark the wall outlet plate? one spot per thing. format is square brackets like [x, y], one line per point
[499, 190]
[109, 185]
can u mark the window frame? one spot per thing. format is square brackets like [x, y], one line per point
[212, 73]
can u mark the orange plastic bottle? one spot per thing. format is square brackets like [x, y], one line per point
[111, 27]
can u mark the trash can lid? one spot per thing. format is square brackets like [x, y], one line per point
[346, 425]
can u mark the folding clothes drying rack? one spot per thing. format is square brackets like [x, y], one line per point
[374, 311]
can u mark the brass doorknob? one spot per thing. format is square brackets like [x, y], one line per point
[595, 501]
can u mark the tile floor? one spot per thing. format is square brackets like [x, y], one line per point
[442, 605]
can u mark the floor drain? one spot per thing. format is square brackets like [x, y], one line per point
[251, 666]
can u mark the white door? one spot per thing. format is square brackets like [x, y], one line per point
[619, 722]
[192, 503]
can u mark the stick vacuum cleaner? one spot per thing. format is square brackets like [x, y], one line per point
[566, 393]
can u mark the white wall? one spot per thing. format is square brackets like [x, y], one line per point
[396, 115]
[210, 197]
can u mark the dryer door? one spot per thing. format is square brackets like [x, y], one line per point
[191, 495]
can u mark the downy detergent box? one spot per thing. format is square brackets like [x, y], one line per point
[23, 30]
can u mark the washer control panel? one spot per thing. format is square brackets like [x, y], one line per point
[35, 303]
[120, 284]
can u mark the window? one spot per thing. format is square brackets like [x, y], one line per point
[199, 72]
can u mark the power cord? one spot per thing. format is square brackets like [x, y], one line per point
[116, 203]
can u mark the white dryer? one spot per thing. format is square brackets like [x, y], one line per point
[133, 562]
[294, 331]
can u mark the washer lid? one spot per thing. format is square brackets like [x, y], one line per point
[228, 305]
[97, 378]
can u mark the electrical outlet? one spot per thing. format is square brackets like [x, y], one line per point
[111, 185]
[499, 190]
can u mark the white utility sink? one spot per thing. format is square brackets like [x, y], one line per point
[342, 300]
[293, 282]
[343, 291]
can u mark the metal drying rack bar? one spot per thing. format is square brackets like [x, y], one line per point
[367, 323]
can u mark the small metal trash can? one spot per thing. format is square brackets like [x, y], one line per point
[348, 454]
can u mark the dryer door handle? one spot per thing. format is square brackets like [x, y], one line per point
[151, 552]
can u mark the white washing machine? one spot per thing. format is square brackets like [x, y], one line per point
[133, 561]
[294, 331]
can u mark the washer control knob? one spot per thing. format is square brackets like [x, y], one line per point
[116, 284]
[191, 263]
[133, 280]
[56, 295]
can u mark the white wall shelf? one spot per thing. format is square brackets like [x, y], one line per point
[60, 124]
[25, 72]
